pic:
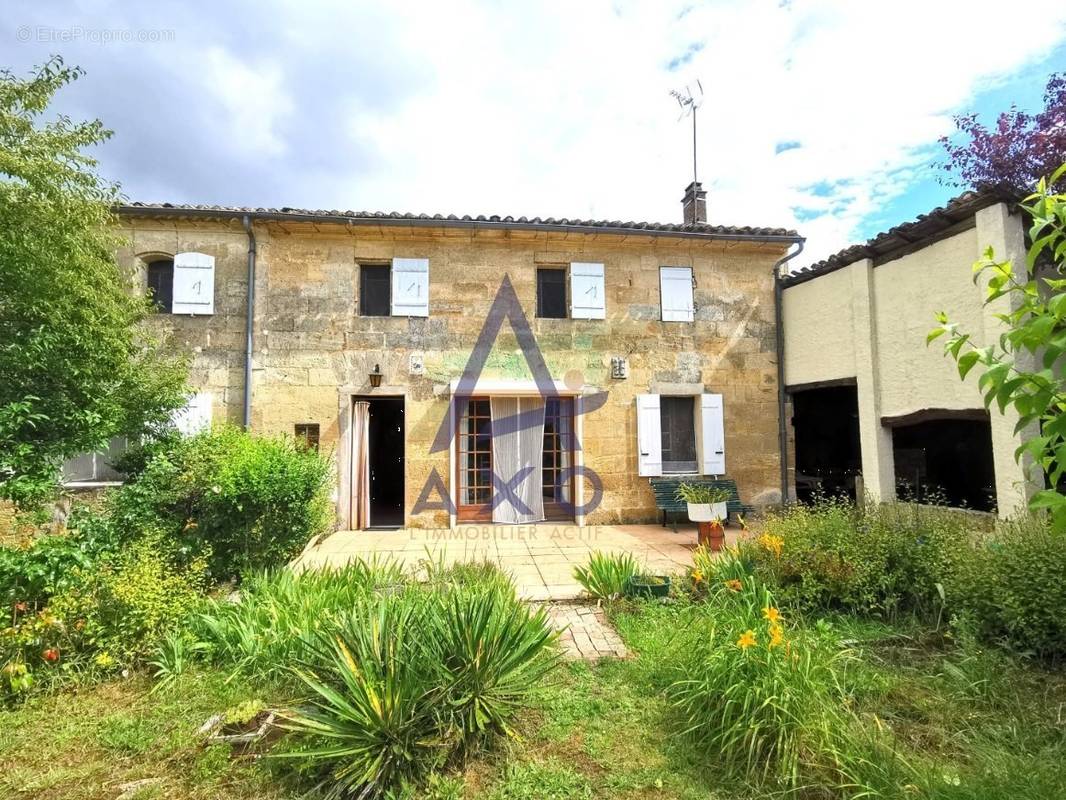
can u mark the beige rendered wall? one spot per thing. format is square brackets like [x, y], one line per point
[819, 321]
[885, 312]
[313, 349]
[907, 294]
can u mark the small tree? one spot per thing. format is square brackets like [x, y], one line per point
[1016, 152]
[76, 365]
[1036, 335]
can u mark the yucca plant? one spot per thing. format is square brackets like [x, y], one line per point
[377, 711]
[494, 650]
[409, 679]
[606, 574]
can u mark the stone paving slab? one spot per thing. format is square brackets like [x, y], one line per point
[539, 558]
[586, 633]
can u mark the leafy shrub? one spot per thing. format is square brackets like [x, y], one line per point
[606, 575]
[31, 574]
[878, 560]
[124, 604]
[242, 501]
[1012, 588]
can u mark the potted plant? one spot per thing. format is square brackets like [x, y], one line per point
[705, 503]
[648, 586]
[242, 726]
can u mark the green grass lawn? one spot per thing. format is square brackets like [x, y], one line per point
[985, 725]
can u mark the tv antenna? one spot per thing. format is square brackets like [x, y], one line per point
[690, 101]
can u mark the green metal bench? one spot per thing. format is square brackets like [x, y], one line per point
[665, 490]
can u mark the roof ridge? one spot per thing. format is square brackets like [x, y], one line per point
[132, 208]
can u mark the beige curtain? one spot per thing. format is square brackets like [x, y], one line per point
[517, 444]
[360, 466]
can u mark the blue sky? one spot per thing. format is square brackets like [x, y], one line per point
[1025, 89]
[821, 115]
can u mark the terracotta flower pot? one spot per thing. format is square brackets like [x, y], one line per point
[712, 536]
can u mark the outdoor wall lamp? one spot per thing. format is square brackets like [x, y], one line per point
[375, 376]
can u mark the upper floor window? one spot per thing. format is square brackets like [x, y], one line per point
[587, 299]
[161, 284]
[399, 289]
[551, 293]
[374, 290]
[675, 294]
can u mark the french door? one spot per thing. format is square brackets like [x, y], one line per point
[474, 468]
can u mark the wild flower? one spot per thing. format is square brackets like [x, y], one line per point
[51, 655]
[21, 607]
[772, 614]
[697, 576]
[746, 640]
[772, 544]
[734, 585]
[777, 636]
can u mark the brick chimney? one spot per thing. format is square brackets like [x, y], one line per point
[694, 203]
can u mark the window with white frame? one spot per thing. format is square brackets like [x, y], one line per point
[680, 434]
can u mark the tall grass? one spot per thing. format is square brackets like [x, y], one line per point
[606, 574]
[763, 697]
[279, 612]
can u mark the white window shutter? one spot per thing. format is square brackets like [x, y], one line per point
[587, 291]
[711, 435]
[649, 436]
[194, 284]
[675, 293]
[196, 416]
[410, 287]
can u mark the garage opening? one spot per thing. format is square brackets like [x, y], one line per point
[946, 461]
[825, 420]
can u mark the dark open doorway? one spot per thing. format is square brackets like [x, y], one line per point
[826, 423]
[945, 461]
[385, 442]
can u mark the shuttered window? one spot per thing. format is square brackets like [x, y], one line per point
[678, 434]
[675, 293]
[375, 290]
[194, 284]
[587, 291]
[161, 284]
[551, 293]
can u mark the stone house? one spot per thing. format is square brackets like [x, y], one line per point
[408, 345]
[869, 397]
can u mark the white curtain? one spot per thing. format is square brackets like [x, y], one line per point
[360, 466]
[518, 444]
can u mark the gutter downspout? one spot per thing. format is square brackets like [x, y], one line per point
[250, 327]
[779, 326]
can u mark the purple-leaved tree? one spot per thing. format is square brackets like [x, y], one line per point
[1014, 153]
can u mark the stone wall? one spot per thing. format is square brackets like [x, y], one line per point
[311, 345]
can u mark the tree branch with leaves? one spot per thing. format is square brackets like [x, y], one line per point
[77, 364]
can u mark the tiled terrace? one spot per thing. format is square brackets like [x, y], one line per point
[540, 558]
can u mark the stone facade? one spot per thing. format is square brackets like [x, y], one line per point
[312, 349]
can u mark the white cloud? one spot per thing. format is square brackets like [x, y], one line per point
[557, 108]
[251, 102]
[563, 110]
